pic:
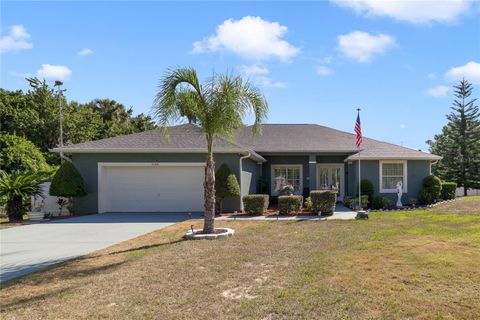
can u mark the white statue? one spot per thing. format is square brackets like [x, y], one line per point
[399, 193]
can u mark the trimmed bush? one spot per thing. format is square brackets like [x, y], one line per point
[448, 190]
[255, 203]
[323, 201]
[367, 189]
[352, 202]
[431, 190]
[380, 202]
[226, 185]
[67, 182]
[287, 204]
[19, 154]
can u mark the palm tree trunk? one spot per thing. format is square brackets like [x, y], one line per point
[14, 209]
[209, 190]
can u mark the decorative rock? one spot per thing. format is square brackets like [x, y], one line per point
[195, 234]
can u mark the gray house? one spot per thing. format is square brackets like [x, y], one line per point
[146, 172]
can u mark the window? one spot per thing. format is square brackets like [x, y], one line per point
[391, 172]
[283, 175]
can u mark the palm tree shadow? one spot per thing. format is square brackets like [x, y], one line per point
[150, 246]
[34, 299]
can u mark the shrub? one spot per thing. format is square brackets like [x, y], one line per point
[17, 188]
[308, 204]
[286, 190]
[256, 203]
[352, 202]
[431, 188]
[19, 154]
[413, 202]
[67, 182]
[448, 190]
[287, 204]
[367, 189]
[380, 202]
[323, 201]
[226, 185]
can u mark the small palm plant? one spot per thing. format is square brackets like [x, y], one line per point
[16, 188]
[217, 107]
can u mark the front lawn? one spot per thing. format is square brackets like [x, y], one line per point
[420, 264]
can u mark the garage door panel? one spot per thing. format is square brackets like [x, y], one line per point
[152, 188]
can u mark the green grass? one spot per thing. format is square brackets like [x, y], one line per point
[420, 264]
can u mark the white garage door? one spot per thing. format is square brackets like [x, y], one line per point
[151, 188]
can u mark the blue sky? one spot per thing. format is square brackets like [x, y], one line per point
[316, 62]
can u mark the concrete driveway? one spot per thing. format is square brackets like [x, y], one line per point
[33, 247]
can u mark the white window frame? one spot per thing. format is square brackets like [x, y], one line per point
[275, 166]
[341, 192]
[405, 176]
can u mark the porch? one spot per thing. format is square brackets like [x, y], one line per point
[305, 172]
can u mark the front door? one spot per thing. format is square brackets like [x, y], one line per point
[330, 176]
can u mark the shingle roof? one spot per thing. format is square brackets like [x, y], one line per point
[181, 138]
[275, 138]
[317, 138]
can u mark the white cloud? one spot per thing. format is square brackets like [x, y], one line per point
[54, 72]
[362, 46]
[437, 92]
[260, 78]
[418, 12]
[85, 52]
[17, 39]
[432, 76]
[324, 71]
[469, 71]
[251, 38]
[254, 70]
[267, 82]
[403, 125]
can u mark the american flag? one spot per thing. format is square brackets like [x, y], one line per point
[358, 131]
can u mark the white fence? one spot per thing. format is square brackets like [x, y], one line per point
[470, 192]
[47, 203]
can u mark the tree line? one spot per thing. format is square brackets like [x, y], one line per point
[34, 115]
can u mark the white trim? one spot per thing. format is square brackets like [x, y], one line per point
[101, 165]
[405, 176]
[253, 154]
[273, 166]
[342, 176]
[240, 164]
[428, 158]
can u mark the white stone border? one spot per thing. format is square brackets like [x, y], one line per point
[417, 207]
[194, 234]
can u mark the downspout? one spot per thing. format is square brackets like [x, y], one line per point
[431, 164]
[240, 176]
[64, 157]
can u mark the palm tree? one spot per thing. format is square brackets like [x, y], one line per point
[217, 107]
[16, 188]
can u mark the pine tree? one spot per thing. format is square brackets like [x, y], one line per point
[459, 142]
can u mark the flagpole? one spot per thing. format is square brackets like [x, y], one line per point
[359, 177]
[359, 183]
